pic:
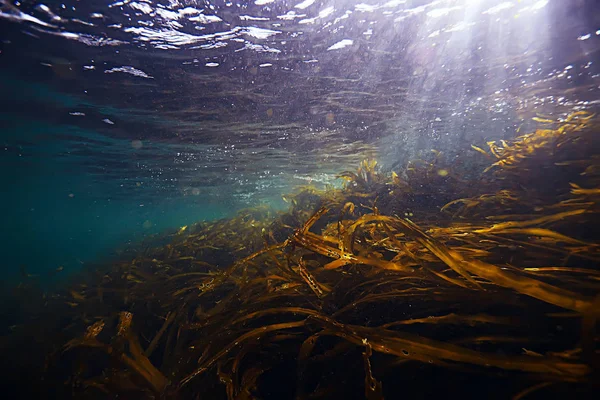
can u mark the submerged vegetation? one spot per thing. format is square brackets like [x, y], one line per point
[415, 282]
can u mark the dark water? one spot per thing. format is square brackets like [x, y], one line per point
[122, 120]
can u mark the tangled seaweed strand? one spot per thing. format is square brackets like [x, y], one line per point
[407, 274]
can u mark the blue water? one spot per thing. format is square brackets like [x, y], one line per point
[120, 120]
[56, 215]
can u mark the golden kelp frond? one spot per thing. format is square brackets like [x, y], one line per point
[417, 348]
[136, 362]
[578, 190]
[542, 142]
[504, 199]
[367, 171]
[94, 330]
[373, 388]
[480, 150]
[366, 179]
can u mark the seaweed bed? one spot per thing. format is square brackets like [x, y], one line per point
[426, 282]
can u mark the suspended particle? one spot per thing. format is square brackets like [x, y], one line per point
[330, 118]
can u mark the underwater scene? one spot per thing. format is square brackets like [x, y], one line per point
[300, 199]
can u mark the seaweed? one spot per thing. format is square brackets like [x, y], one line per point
[393, 270]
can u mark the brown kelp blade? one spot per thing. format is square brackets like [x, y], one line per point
[426, 350]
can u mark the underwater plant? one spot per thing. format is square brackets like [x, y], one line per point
[286, 305]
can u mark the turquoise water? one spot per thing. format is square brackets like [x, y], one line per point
[74, 197]
[121, 120]
[56, 215]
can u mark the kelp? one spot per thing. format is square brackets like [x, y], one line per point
[423, 266]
